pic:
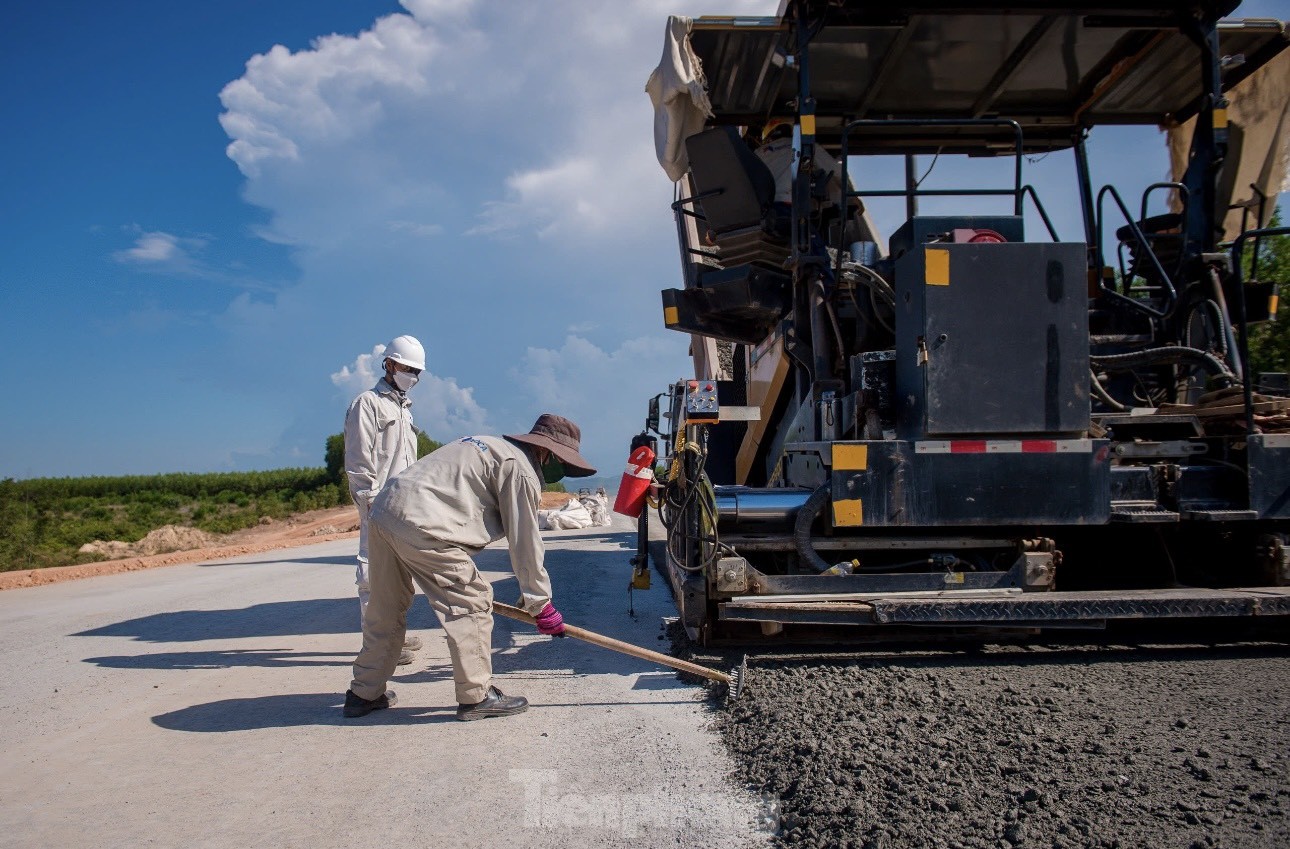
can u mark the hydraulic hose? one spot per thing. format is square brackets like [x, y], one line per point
[1158, 356]
[802, 527]
[1102, 395]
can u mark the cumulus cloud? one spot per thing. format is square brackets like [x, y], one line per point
[557, 133]
[362, 373]
[444, 410]
[525, 125]
[440, 406]
[327, 94]
[604, 391]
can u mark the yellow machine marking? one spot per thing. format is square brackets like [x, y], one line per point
[938, 266]
[671, 315]
[1220, 119]
[850, 458]
[808, 125]
[764, 387]
[848, 513]
[1274, 301]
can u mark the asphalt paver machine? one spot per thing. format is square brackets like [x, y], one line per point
[966, 422]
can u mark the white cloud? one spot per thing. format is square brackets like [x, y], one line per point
[437, 10]
[548, 117]
[440, 407]
[524, 124]
[445, 410]
[361, 374]
[327, 94]
[605, 392]
[160, 250]
[416, 228]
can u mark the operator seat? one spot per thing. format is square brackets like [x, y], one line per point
[737, 199]
[1164, 238]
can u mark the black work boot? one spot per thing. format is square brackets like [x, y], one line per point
[355, 705]
[495, 703]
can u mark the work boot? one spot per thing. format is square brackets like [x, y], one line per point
[494, 704]
[405, 657]
[413, 643]
[356, 705]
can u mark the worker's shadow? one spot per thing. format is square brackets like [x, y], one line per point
[224, 659]
[271, 619]
[290, 711]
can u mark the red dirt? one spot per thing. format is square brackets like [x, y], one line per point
[301, 529]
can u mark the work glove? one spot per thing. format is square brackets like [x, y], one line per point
[550, 622]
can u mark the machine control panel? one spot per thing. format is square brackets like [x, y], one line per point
[701, 405]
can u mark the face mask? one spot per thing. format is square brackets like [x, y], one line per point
[552, 470]
[405, 380]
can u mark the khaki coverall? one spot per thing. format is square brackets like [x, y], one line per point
[380, 442]
[427, 523]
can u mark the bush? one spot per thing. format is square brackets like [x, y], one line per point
[43, 522]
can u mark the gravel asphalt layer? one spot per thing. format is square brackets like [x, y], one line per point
[1002, 746]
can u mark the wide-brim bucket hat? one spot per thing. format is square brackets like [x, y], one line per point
[563, 438]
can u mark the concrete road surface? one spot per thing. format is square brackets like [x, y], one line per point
[199, 706]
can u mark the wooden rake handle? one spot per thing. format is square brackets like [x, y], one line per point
[617, 645]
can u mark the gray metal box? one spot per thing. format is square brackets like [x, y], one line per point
[992, 339]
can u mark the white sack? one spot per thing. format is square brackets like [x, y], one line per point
[569, 517]
[597, 506]
[678, 91]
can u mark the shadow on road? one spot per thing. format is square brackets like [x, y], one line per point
[225, 659]
[271, 619]
[329, 560]
[301, 709]
[290, 711]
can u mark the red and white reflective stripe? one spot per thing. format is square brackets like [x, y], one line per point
[1004, 446]
[644, 472]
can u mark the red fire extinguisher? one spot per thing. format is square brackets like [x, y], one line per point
[634, 485]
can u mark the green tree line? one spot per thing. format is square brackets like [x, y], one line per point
[1270, 342]
[45, 521]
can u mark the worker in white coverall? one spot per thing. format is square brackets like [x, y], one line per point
[428, 522]
[776, 150]
[380, 442]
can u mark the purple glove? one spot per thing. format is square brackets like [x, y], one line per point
[550, 622]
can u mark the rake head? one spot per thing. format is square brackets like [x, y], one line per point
[738, 679]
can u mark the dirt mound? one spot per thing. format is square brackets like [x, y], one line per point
[165, 539]
[555, 500]
[311, 527]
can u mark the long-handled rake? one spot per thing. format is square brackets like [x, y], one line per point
[735, 680]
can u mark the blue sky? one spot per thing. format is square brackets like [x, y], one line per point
[215, 211]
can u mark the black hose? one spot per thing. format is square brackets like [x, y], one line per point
[1099, 391]
[802, 527]
[1158, 356]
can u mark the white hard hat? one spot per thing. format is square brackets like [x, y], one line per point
[407, 351]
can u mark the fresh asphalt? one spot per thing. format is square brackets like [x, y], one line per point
[200, 706]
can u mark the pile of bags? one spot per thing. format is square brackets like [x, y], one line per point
[586, 510]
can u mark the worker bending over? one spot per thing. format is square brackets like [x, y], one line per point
[428, 522]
